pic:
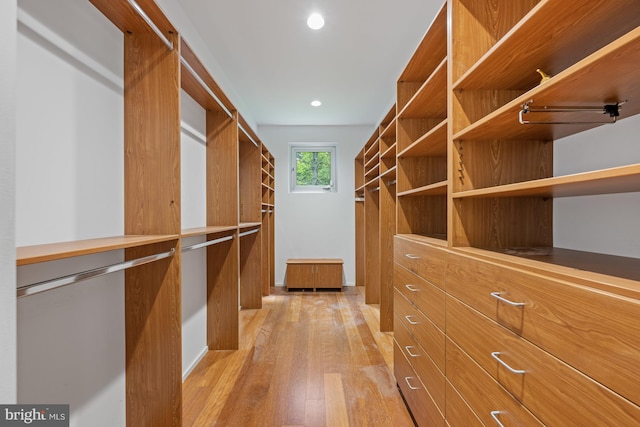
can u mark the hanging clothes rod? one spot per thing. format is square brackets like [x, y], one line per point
[207, 243]
[373, 190]
[359, 199]
[151, 24]
[613, 110]
[248, 136]
[205, 86]
[392, 182]
[246, 233]
[47, 285]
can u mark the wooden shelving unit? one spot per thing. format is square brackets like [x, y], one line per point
[240, 184]
[422, 136]
[475, 200]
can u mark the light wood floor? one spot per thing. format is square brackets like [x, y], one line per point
[305, 359]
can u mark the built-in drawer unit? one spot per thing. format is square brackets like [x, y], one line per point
[424, 260]
[428, 298]
[419, 326]
[422, 364]
[422, 407]
[458, 411]
[488, 399]
[594, 331]
[554, 391]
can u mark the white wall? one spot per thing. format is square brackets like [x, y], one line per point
[608, 223]
[7, 202]
[194, 264]
[315, 225]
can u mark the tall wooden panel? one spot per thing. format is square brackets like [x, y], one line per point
[222, 295]
[152, 206]
[250, 271]
[222, 168]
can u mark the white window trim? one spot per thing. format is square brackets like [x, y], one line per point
[294, 148]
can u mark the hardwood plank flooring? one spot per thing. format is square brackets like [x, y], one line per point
[305, 359]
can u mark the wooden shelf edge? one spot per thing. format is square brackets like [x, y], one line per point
[439, 132]
[244, 225]
[389, 173]
[439, 240]
[200, 231]
[390, 129]
[26, 255]
[437, 189]
[623, 179]
[387, 154]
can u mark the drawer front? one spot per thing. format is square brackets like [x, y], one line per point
[426, 297]
[422, 407]
[425, 332]
[594, 331]
[554, 391]
[300, 276]
[426, 261]
[328, 276]
[458, 411]
[424, 367]
[483, 394]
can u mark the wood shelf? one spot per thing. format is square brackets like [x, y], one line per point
[34, 254]
[390, 130]
[244, 225]
[390, 152]
[431, 239]
[542, 39]
[202, 231]
[587, 83]
[371, 161]
[432, 143]
[622, 179]
[389, 173]
[437, 189]
[431, 99]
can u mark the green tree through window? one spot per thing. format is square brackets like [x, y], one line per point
[313, 168]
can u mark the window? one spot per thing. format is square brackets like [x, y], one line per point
[313, 168]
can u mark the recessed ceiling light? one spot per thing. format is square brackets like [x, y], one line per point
[315, 21]
[316, 103]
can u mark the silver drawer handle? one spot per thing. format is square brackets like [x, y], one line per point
[408, 317]
[495, 355]
[494, 415]
[412, 256]
[408, 348]
[412, 288]
[496, 295]
[406, 379]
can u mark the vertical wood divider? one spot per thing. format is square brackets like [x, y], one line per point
[223, 277]
[153, 316]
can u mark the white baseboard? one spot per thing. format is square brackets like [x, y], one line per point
[194, 363]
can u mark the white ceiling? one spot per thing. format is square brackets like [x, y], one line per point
[277, 65]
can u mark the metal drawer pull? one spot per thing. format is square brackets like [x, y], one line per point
[408, 317]
[412, 288]
[496, 295]
[495, 355]
[406, 379]
[408, 348]
[412, 256]
[494, 415]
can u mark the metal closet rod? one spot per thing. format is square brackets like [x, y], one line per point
[151, 24]
[205, 86]
[47, 285]
[613, 110]
[246, 233]
[248, 136]
[207, 243]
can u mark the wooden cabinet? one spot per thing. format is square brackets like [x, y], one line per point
[314, 274]
[533, 334]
